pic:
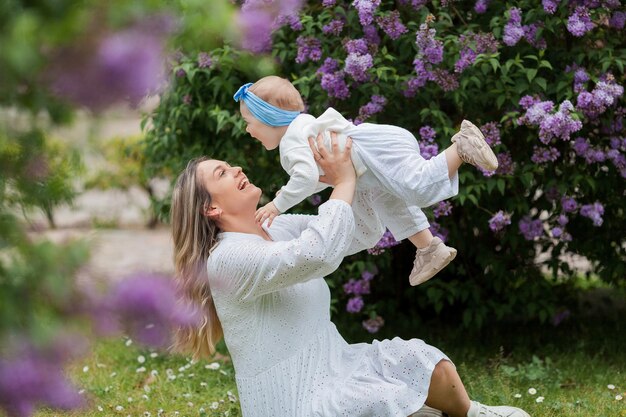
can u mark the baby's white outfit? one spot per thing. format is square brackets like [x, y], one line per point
[289, 358]
[393, 178]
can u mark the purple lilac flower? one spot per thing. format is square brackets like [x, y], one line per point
[429, 47]
[356, 46]
[418, 4]
[617, 20]
[204, 60]
[428, 150]
[530, 34]
[506, 166]
[368, 275]
[558, 125]
[376, 105]
[556, 232]
[328, 3]
[442, 208]
[391, 24]
[513, 30]
[604, 95]
[550, 6]
[542, 155]
[309, 48]
[527, 102]
[387, 241]
[499, 221]
[594, 212]
[315, 199]
[357, 287]
[259, 18]
[356, 66]
[438, 230]
[531, 229]
[366, 9]
[427, 134]
[580, 22]
[373, 325]
[33, 378]
[293, 20]
[355, 305]
[481, 6]
[562, 220]
[466, 59]
[335, 85]
[568, 204]
[473, 44]
[146, 305]
[580, 78]
[334, 27]
[125, 65]
[445, 79]
[415, 83]
[371, 35]
[492, 133]
[412, 85]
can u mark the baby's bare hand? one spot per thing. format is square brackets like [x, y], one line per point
[267, 212]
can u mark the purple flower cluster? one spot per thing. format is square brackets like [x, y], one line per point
[357, 65]
[580, 78]
[473, 44]
[604, 95]
[583, 148]
[429, 48]
[309, 48]
[259, 18]
[442, 208]
[594, 212]
[366, 9]
[617, 20]
[293, 20]
[371, 35]
[428, 147]
[333, 80]
[530, 34]
[328, 3]
[480, 6]
[550, 6]
[415, 83]
[568, 204]
[355, 305]
[491, 131]
[506, 166]
[391, 24]
[315, 199]
[513, 30]
[356, 46]
[335, 27]
[445, 79]
[373, 325]
[125, 65]
[357, 288]
[376, 105]
[531, 229]
[385, 242]
[34, 378]
[557, 125]
[541, 154]
[204, 60]
[580, 22]
[499, 221]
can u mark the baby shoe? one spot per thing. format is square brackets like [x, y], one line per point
[472, 147]
[430, 260]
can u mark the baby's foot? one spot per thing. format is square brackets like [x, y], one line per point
[430, 260]
[472, 147]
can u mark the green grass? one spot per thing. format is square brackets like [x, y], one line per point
[570, 367]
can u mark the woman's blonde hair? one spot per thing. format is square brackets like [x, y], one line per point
[194, 235]
[278, 92]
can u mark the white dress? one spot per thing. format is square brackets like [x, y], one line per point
[395, 179]
[289, 359]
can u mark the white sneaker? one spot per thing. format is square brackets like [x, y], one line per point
[427, 411]
[479, 410]
[473, 148]
[430, 260]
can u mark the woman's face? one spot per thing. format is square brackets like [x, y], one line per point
[229, 187]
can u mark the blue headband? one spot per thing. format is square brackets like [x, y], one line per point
[264, 111]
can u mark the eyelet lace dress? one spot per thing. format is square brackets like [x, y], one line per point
[289, 358]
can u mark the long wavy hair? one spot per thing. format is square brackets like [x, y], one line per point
[195, 236]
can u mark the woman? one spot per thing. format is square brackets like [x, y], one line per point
[265, 291]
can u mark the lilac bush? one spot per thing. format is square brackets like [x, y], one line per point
[544, 81]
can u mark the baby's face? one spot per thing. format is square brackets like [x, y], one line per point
[267, 135]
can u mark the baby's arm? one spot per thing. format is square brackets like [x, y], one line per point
[303, 181]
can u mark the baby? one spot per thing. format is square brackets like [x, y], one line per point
[393, 182]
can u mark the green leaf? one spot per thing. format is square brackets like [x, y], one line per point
[501, 184]
[542, 83]
[530, 74]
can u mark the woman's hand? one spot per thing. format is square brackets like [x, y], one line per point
[337, 165]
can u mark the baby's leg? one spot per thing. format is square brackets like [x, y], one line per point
[432, 255]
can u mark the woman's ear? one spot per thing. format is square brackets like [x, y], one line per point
[212, 213]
